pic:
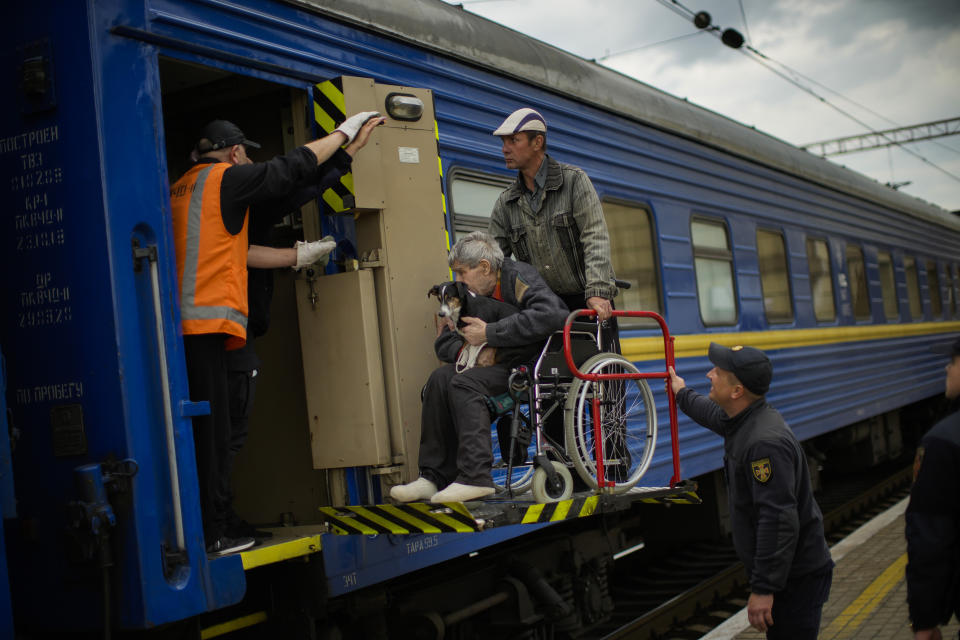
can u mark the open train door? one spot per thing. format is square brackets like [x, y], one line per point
[367, 331]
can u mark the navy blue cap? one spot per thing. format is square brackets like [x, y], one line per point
[751, 366]
[951, 349]
[222, 134]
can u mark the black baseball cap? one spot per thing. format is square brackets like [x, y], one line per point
[223, 134]
[751, 366]
[951, 349]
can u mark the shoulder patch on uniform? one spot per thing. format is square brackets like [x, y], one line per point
[520, 288]
[762, 469]
[917, 461]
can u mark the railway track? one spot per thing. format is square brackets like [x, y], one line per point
[697, 587]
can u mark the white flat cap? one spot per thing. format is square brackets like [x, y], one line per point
[521, 120]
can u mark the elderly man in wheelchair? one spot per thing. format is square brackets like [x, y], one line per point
[608, 417]
[455, 440]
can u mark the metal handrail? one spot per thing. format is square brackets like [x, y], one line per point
[665, 375]
[151, 255]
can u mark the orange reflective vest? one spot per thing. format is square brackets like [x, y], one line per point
[211, 263]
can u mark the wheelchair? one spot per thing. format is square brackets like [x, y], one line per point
[609, 421]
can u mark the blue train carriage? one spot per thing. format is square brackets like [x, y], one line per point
[108, 522]
[109, 97]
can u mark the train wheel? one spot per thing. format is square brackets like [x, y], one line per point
[542, 492]
[628, 423]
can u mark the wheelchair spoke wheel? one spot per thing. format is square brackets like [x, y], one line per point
[543, 492]
[521, 478]
[627, 419]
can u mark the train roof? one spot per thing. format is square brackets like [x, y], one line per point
[452, 31]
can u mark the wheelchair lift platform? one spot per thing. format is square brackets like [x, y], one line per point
[470, 517]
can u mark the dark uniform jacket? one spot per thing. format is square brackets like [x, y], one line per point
[777, 525]
[933, 527]
[541, 313]
[260, 183]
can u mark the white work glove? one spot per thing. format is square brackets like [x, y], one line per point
[309, 253]
[352, 125]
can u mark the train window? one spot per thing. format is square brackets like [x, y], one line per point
[913, 287]
[634, 259]
[821, 280]
[774, 278]
[472, 196]
[888, 286]
[713, 265]
[857, 276]
[933, 284]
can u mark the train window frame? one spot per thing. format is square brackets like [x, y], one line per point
[623, 297]
[765, 278]
[858, 284]
[464, 223]
[915, 301]
[824, 277]
[888, 287]
[932, 268]
[714, 255]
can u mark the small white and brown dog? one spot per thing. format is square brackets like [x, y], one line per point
[456, 302]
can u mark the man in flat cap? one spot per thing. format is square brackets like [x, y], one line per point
[551, 217]
[933, 523]
[211, 209]
[777, 525]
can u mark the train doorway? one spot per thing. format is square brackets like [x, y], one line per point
[274, 480]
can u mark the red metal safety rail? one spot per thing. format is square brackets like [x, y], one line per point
[593, 377]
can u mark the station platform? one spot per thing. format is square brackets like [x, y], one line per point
[868, 598]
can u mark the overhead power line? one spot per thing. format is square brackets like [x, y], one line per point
[886, 138]
[733, 39]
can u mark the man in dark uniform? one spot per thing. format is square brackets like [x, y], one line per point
[933, 516]
[777, 525]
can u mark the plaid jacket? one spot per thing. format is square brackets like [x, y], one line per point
[564, 236]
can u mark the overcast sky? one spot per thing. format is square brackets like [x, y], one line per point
[898, 58]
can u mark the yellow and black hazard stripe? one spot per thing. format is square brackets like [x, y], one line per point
[443, 189]
[685, 497]
[563, 510]
[329, 112]
[414, 517]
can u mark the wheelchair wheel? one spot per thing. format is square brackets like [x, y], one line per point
[628, 423]
[543, 493]
[522, 478]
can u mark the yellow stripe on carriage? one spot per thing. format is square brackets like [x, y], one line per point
[696, 345]
[277, 552]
